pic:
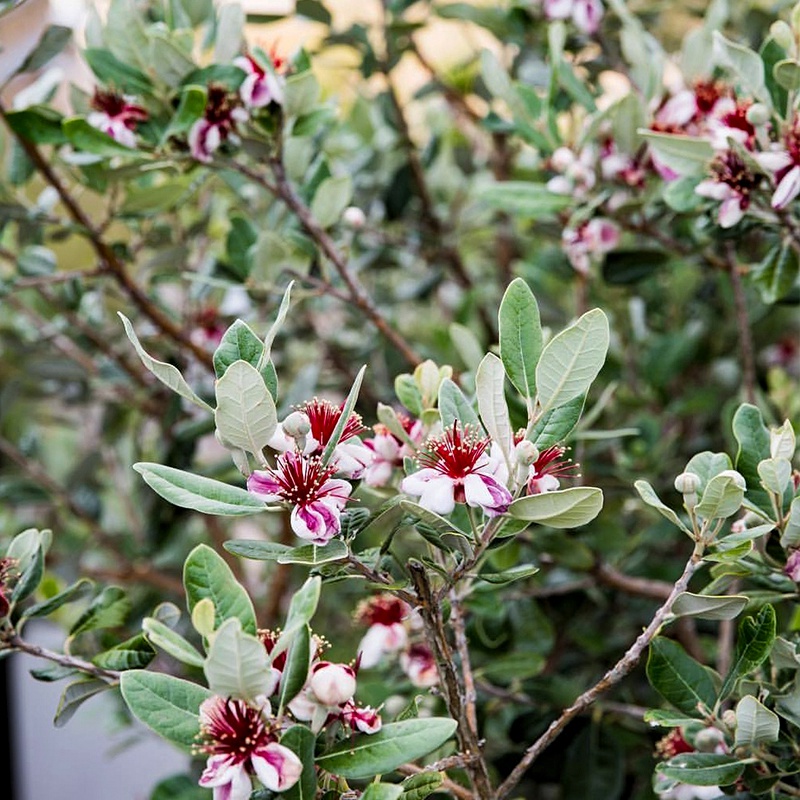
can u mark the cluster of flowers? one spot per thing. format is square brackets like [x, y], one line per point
[707, 740]
[241, 739]
[585, 14]
[119, 115]
[458, 465]
[392, 628]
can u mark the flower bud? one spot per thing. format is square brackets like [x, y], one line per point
[333, 684]
[737, 478]
[354, 217]
[782, 34]
[729, 719]
[709, 739]
[297, 425]
[687, 483]
[526, 453]
[758, 114]
[562, 159]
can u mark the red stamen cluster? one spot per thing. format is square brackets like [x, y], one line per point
[115, 105]
[552, 461]
[383, 609]
[672, 745]
[737, 119]
[232, 728]
[456, 452]
[300, 479]
[707, 93]
[323, 417]
[219, 107]
[729, 168]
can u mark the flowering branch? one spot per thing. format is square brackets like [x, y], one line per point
[622, 668]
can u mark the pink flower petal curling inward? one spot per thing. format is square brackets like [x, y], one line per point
[317, 499]
[241, 741]
[457, 469]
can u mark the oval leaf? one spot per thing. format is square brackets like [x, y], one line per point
[565, 508]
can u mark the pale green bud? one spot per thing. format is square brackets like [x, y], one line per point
[736, 477]
[526, 452]
[296, 425]
[687, 483]
[758, 114]
[782, 34]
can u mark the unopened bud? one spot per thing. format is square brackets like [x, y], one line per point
[782, 34]
[333, 684]
[729, 719]
[709, 739]
[687, 483]
[758, 114]
[354, 217]
[526, 452]
[297, 425]
[562, 159]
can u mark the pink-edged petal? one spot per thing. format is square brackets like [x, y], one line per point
[352, 458]
[229, 781]
[586, 14]
[379, 473]
[486, 492]
[730, 212]
[678, 110]
[416, 483]
[264, 486]
[715, 190]
[787, 190]
[774, 161]
[547, 483]
[317, 522]
[277, 767]
[335, 492]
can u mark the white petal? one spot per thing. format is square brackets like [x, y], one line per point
[788, 189]
[439, 495]
[730, 212]
[277, 767]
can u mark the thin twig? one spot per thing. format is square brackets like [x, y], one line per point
[15, 642]
[622, 668]
[109, 260]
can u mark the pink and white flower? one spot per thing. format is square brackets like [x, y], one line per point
[217, 124]
[419, 665]
[117, 116]
[456, 468]
[388, 451]
[361, 718]
[331, 684]
[241, 742]
[577, 173]
[733, 184]
[588, 242]
[386, 616]
[784, 162]
[792, 568]
[545, 471]
[261, 85]
[317, 499]
[586, 14]
[350, 457]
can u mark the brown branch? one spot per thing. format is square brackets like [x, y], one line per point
[15, 642]
[110, 262]
[622, 668]
[356, 295]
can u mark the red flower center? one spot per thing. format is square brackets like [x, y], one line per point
[552, 461]
[381, 610]
[455, 453]
[300, 479]
[229, 727]
[323, 417]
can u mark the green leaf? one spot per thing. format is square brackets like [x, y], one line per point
[722, 497]
[745, 63]
[791, 533]
[54, 39]
[37, 124]
[331, 199]
[775, 474]
[564, 508]
[571, 360]
[274, 329]
[466, 344]
[167, 705]
[777, 274]
[753, 438]
[510, 575]
[237, 664]
[755, 723]
[82, 136]
[35, 260]
[408, 393]
[554, 426]
[230, 31]
[198, 493]
[382, 791]
[707, 465]
[191, 108]
[648, 494]
[395, 744]
[753, 644]
[520, 336]
[595, 765]
[168, 375]
[686, 155]
[168, 640]
[74, 592]
[490, 391]
[301, 94]
[679, 679]
[707, 606]
[206, 575]
[454, 407]
[74, 696]
[787, 74]
[347, 410]
[135, 653]
[623, 267]
[108, 610]
[119, 74]
[295, 673]
[702, 769]
[418, 787]
[313, 554]
[523, 199]
[257, 549]
[245, 415]
[302, 742]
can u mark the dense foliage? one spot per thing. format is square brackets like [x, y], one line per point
[385, 425]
